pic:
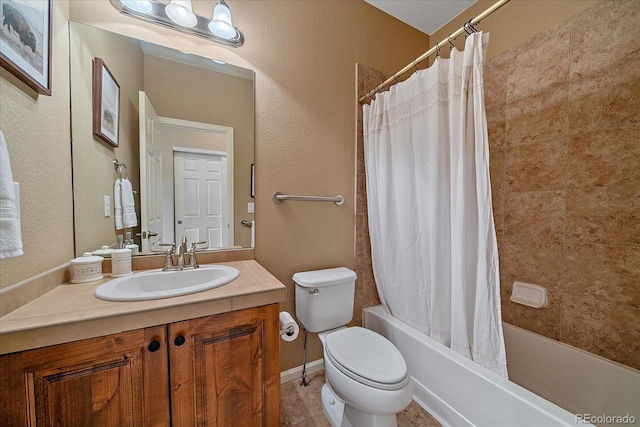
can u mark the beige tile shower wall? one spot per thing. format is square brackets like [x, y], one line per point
[564, 118]
[366, 293]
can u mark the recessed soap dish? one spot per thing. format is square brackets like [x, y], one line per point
[529, 294]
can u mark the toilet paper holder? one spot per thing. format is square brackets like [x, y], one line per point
[289, 330]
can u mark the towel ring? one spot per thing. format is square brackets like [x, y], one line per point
[121, 169]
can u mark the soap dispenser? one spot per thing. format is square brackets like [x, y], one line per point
[130, 244]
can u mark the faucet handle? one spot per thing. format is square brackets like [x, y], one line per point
[168, 261]
[194, 245]
[172, 246]
[193, 261]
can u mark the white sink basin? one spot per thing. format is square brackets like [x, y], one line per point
[158, 284]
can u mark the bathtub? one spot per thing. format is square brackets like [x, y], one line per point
[458, 392]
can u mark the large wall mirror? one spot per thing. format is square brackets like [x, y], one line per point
[185, 140]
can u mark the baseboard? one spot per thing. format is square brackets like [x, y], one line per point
[293, 373]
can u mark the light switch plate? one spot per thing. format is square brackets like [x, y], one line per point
[107, 206]
[250, 207]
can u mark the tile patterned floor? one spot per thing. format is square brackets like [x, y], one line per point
[302, 406]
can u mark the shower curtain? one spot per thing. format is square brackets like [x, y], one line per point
[433, 241]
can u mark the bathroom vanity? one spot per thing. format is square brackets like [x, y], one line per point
[210, 358]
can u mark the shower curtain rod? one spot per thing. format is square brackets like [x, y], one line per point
[436, 48]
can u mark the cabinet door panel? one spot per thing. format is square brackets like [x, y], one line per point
[227, 371]
[102, 393]
[106, 381]
[231, 368]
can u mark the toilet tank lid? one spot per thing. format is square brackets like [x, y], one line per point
[326, 277]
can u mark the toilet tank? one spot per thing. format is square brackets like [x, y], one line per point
[324, 298]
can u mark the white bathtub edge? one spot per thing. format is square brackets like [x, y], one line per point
[444, 408]
[443, 413]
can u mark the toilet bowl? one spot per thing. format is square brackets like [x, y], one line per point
[367, 377]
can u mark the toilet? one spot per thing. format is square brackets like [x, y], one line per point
[367, 381]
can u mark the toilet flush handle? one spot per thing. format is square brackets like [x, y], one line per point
[315, 292]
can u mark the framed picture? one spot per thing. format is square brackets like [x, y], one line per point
[25, 42]
[106, 103]
[253, 180]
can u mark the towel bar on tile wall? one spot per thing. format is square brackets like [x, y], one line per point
[279, 198]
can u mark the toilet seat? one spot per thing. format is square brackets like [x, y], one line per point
[367, 357]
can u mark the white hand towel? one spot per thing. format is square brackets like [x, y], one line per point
[10, 237]
[124, 204]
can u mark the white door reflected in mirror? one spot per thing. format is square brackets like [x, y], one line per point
[151, 176]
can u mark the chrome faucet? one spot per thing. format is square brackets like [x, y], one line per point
[179, 251]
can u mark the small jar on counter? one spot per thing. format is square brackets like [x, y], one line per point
[120, 262]
[87, 268]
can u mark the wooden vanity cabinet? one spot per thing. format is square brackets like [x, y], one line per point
[221, 370]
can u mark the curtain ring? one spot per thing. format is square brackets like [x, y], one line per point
[414, 65]
[471, 27]
[451, 45]
[437, 51]
[395, 79]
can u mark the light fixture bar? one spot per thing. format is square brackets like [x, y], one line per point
[158, 16]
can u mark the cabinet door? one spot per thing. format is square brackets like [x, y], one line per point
[117, 380]
[225, 369]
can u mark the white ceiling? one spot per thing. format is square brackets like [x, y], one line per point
[427, 16]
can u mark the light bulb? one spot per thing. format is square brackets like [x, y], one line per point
[180, 12]
[221, 25]
[143, 6]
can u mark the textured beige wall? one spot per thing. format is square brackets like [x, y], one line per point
[93, 172]
[37, 131]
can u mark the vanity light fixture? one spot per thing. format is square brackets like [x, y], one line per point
[178, 15]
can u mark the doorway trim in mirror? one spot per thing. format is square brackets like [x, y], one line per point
[158, 16]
